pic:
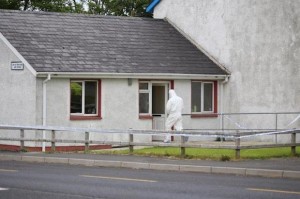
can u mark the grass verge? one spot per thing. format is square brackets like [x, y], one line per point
[208, 154]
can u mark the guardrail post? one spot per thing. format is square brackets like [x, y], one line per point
[52, 141]
[182, 148]
[293, 141]
[222, 122]
[130, 143]
[87, 142]
[237, 147]
[22, 141]
[276, 127]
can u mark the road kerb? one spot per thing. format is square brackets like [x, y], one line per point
[11, 157]
[162, 167]
[107, 163]
[265, 173]
[56, 160]
[84, 162]
[165, 167]
[135, 165]
[192, 168]
[291, 174]
[228, 170]
[33, 159]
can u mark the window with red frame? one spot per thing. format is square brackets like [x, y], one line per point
[203, 97]
[85, 98]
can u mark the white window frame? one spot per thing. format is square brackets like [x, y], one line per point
[149, 91]
[202, 97]
[83, 98]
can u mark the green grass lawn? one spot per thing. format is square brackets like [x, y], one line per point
[211, 154]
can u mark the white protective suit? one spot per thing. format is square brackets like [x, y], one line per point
[174, 109]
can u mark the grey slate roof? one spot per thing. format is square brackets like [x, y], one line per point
[56, 42]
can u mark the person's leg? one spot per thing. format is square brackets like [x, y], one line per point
[169, 123]
[178, 124]
[167, 138]
[178, 127]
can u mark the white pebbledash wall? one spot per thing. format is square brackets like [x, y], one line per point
[119, 104]
[258, 41]
[17, 94]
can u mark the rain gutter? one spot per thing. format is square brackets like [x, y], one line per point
[133, 75]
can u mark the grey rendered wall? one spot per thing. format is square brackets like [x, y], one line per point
[119, 108]
[257, 40]
[18, 94]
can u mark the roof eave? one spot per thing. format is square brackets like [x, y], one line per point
[166, 76]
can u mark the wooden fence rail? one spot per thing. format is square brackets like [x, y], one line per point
[182, 144]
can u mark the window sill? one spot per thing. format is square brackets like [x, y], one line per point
[204, 115]
[145, 117]
[76, 117]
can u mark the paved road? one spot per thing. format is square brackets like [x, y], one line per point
[54, 181]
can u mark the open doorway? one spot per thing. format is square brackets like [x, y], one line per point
[159, 101]
[153, 97]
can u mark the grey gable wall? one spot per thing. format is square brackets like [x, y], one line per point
[257, 40]
[18, 88]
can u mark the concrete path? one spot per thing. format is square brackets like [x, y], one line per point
[280, 168]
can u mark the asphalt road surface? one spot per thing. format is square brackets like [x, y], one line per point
[55, 181]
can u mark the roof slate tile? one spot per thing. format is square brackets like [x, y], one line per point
[59, 42]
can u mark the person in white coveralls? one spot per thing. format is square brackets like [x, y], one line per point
[174, 109]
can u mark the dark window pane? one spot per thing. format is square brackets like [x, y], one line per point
[196, 96]
[208, 97]
[76, 97]
[90, 98]
[143, 86]
[144, 103]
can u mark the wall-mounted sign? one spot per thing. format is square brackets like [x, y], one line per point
[17, 66]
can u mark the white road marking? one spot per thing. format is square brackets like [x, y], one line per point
[274, 191]
[116, 178]
[3, 189]
[8, 170]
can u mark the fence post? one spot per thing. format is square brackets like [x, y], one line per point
[222, 122]
[87, 142]
[53, 141]
[237, 147]
[130, 143]
[276, 127]
[22, 141]
[182, 148]
[293, 141]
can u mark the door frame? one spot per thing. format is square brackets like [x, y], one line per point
[166, 86]
[160, 117]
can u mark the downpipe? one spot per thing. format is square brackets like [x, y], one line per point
[222, 103]
[45, 109]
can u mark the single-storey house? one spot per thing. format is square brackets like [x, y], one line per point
[102, 72]
[114, 72]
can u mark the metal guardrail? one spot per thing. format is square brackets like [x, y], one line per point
[183, 144]
[230, 119]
